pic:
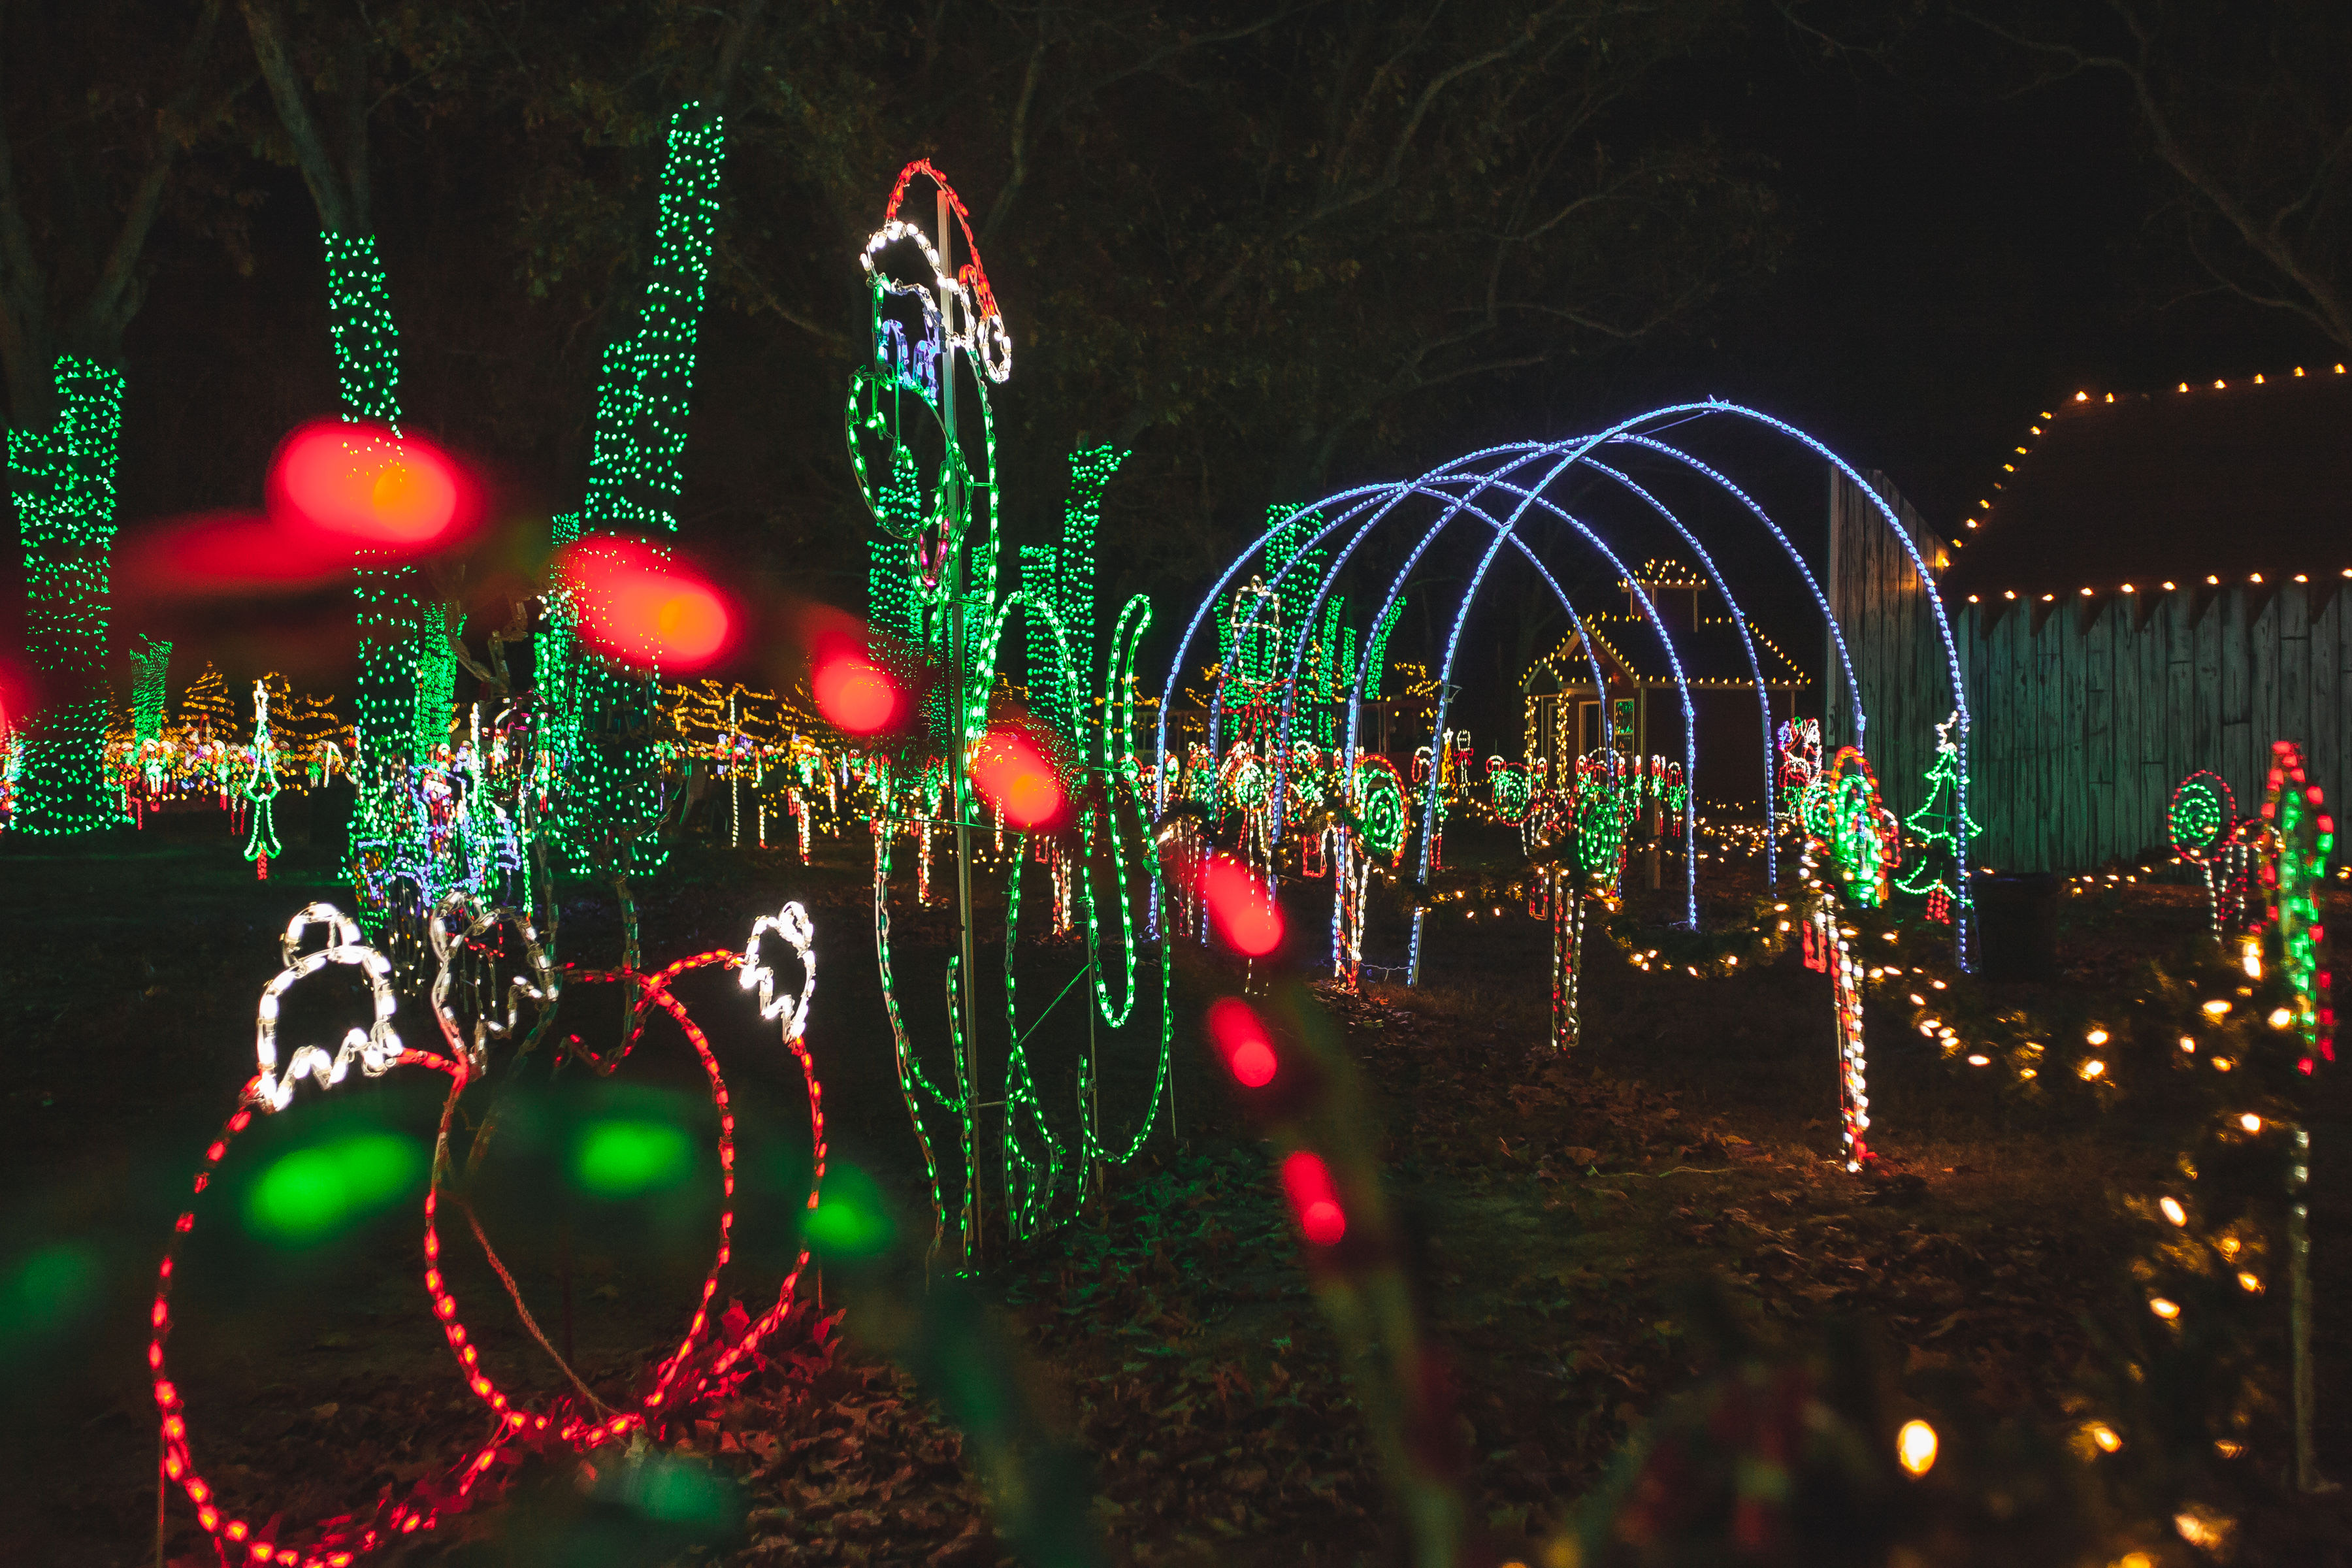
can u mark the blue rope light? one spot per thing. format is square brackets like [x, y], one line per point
[1373, 503]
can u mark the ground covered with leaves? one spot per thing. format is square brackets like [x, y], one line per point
[1587, 1226]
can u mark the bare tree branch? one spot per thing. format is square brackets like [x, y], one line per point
[1019, 176]
[2329, 310]
[825, 335]
[336, 201]
[24, 290]
[731, 54]
[114, 296]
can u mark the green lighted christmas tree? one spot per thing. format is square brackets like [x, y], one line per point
[261, 789]
[1937, 827]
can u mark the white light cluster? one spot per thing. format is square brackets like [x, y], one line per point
[791, 922]
[472, 918]
[983, 334]
[376, 1049]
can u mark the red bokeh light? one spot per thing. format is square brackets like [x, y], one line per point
[645, 608]
[853, 695]
[364, 485]
[1239, 907]
[1241, 1037]
[1314, 1202]
[1013, 776]
[16, 698]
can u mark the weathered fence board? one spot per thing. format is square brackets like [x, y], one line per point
[2083, 727]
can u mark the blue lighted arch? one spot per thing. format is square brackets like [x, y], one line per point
[1502, 469]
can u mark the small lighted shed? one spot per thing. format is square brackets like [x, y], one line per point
[1568, 716]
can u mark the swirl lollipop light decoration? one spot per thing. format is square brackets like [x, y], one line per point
[2200, 820]
[1372, 838]
[1846, 825]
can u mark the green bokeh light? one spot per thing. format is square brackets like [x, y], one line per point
[44, 1292]
[850, 1220]
[620, 1159]
[683, 1494]
[312, 1193]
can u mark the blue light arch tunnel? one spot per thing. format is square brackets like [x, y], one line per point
[1496, 494]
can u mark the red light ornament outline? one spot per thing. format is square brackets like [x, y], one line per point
[342, 1541]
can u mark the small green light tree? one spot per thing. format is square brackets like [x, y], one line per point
[261, 789]
[1935, 824]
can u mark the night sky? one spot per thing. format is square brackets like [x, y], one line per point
[1957, 261]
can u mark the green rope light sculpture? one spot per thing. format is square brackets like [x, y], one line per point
[261, 789]
[150, 688]
[936, 564]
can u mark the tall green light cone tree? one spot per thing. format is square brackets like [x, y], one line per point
[1062, 577]
[65, 394]
[389, 601]
[611, 815]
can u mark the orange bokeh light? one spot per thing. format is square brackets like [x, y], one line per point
[645, 608]
[854, 696]
[1012, 775]
[1241, 1037]
[1239, 908]
[364, 485]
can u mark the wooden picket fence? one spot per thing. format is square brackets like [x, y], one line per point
[2085, 711]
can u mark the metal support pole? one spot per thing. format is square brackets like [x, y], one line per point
[951, 483]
